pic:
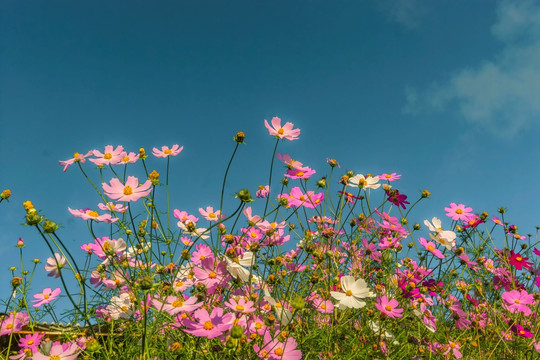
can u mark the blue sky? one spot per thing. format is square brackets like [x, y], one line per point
[443, 92]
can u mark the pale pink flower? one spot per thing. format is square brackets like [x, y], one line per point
[131, 191]
[241, 305]
[389, 177]
[248, 212]
[121, 307]
[76, 158]
[285, 132]
[110, 156]
[165, 151]
[263, 191]
[174, 304]
[112, 207]
[300, 173]
[287, 160]
[55, 264]
[68, 351]
[454, 347]
[184, 217]
[88, 214]
[105, 246]
[211, 215]
[517, 301]
[130, 158]
[46, 296]
[12, 322]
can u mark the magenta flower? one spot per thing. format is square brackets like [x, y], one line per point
[301, 173]
[285, 132]
[459, 212]
[519, 261]
[389, 177]
[110, 156]
[430, 246]
[165, 151]
[31, 341]
[46, 296]
[521, 331]
[397, 198]
[209, 325]
[131, 191]
[389, 307]
[517, 301]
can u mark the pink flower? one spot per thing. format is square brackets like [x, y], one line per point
[131, 191]
[31, 341]
[68, 351]
[517, 301]
[241, 305]
[13, 322]
[184, 217]
[130, 158]
[209, 325]
[173, 304]
[112, 207]
[88, 214]
[389, 177]
[46, 296]
[76, 158]
[298, 198]
[105, 246]
[274, 349]
[454, 347]
[430, 246]
[287, 160]
[388, 307]
[55, 265]
[285, 132]
[165, 151]
[459, 212]
[263, 191]
[211, 215]
[300, 173]
[110, 156]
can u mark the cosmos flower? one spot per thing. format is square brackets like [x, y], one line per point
[109, 156]
[388, 307]
[76, 158]
[46, 296]
[130, 191]
[209, 325]
[165, 151]
[431, 247]
[353, 293]
[55, 265]
[459, 212]
[285, 132]
[369, 182]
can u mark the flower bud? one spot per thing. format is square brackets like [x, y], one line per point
[322, 183]
[425, 194]
[49, 227]
[28, 205]
[146, 283]
[92, 345]
[240, 137]
[237, 332]
[283, 201]
[285, 181]
[16, 281]
[244, 196]
[298, 303]
[502, 210]
[20, 243]
[416, 226]
[33, 218]
[154, 177]
[5, 194]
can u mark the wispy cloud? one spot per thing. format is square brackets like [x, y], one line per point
[408, 13]
[499, 95]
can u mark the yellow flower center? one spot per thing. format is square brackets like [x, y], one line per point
[239, 307]
[106, 246]
[128, 190]
[517, 301]
[30, 342]
[430, 248]
[258, 326]
[281, 131]
[253, 234]
[279, 351]
[107, 156]
[178, 303]
[212, 275]
[208, 325]
[211, 215]
[55, 357]
[125, 159]
[388, 176]
[300, 174]
[388, 307]
[302, 197]
[168, 151]
[348, 293]
[46, 296]
[323, 306]
[9, 326]
[179, 283]
[362, 182]
[459, 211]
[93, 213]
[519, 258]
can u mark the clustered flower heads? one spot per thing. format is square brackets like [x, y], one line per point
[329, 267]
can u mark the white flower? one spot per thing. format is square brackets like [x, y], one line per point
[354, 291]
[121, 307]
[446, 238]
[284, 315]
[377, 329]
[193, 230]
[364, 183]
[237, 270]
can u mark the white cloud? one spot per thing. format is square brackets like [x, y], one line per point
[405, 12]
[499, 95]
